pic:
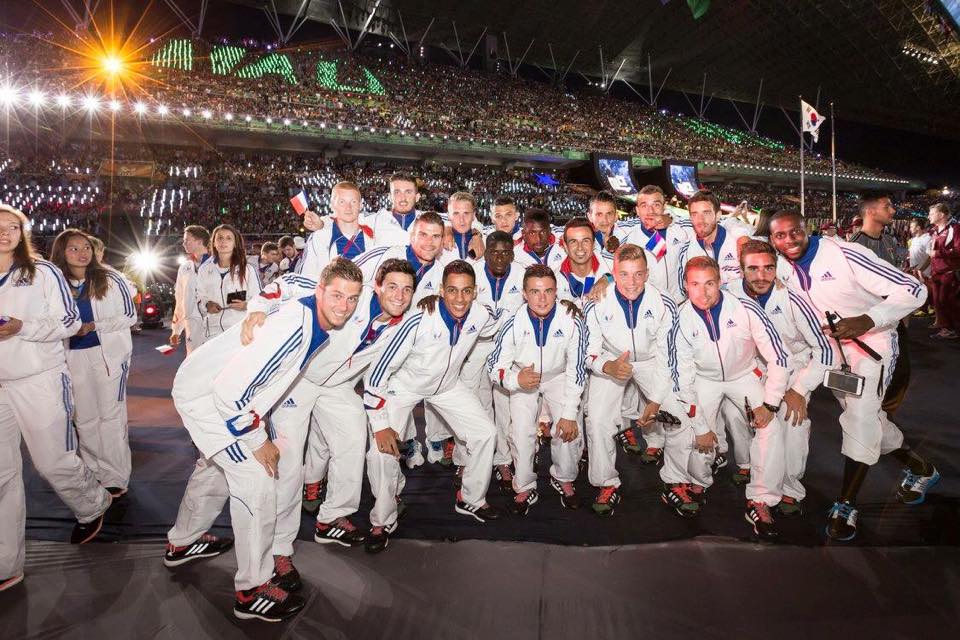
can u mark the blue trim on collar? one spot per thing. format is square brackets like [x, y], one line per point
[406, 219]
[541, 326]
[420, 268]
[765, 297]
[631, 308]
[717, 243]
[354, 246]
[318, 336]
[454, 326]
[802, 265]
[496, 284]
[462, 240]
[713, 323]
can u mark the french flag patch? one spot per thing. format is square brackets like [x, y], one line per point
[299, 203]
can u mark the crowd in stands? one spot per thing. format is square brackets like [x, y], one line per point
[391, 94]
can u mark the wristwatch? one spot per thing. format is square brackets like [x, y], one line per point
[771, 408]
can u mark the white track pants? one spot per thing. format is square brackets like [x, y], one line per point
[39, 408]
[767, 448]
[524, 412]
[632, 408]
[867, 431]
[196, 330]
[342, 424]
[471, 426]
[101, 415]
[493, 398]
[235, 474]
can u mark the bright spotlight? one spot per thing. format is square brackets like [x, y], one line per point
[139, 108]
[181, 260]
[63, 101]
[114, 105]
[8, 95]
[247, 118]
[37, 98]
[286, 121]
[163, 110]
[206, 114]
[91, 104]
[228, 117]
[112, 64]
[144, 261]
[269, 120]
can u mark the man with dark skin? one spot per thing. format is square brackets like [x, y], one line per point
[538, 246]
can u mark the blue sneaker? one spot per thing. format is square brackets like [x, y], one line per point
[842, 521]
[913, 487]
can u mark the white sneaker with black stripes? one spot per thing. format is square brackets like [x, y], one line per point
[206, 546]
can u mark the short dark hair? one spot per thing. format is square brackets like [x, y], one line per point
[395, 265]
[340, 267]
[458, 267]
[268, 246]
[538, 271]
[503, 201]
[702, 262]
[627, 252]
[537, 215]
[652, 188]
[705, 195]
[401, 176]
[499, 236]
[751, 247]
[577, 223]
[429, 217]
[872, 197]
[602, 196]
[286, 241]
[198, 232]
[782, 214]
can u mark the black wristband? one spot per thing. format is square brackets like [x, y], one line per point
[771, 408]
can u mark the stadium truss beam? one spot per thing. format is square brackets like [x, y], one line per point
[403, 44]
[366, 24]
[81, 22]
[181, 15]
[298, 20]
[342, 30]
[614, 79]
[515, 67]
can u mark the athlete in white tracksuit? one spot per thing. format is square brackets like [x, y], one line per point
[224, 392]
[327, 243]
[36, 401]
[555, 346]
[664, 251]
[723, 344]
[99, 364]
[187, 317]
[214, 284]
[811, 354]
[422, 362]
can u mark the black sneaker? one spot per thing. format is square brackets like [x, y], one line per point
[719, 462]
[313, 496]
[206, 546]
[679, 497]
[7, 583]
[84, 532]
[378, 538]
[504, 476]
[401, 507]
[522, 502]
[790, 507]
[268, 602]
[117, 492]
[651, 455]
[627, 440]
[481, 513]
[759, 517]
[340, 531]
[458, 478]
[285, 575]
[568, 495]
[606, 501]
[842, 521]
[741, 477]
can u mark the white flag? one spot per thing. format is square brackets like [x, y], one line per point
[810, 120]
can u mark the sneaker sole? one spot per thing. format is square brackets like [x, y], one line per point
[680, 511]
[923, 496]
[847, 539]
[468, 513]
[243, 615]
[193, 558]
[529, 504]
[323, 540]
[376, 551]
[92, 535]
[12, 582]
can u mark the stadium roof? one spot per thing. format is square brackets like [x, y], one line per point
[889, 62]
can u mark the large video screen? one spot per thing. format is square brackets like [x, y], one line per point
[683, 177]
[616, 174]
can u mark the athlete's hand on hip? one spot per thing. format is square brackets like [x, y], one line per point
[619, 369]
[761, 417]
[567, 430]
[268, 455]
[10, 328]
[796, 407]
[706, 442]
[528, 379]
[387, 442]
[848, 328]
[251, 322]
[649, 414]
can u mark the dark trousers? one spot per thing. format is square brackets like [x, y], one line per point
[897, 390]
[946, 301]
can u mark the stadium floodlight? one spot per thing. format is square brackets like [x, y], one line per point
[145, 261]
[186, 113]
[37, 98]
[8, 95]
[269, 120]
[91, 103]
[114, 105]
[163, 110]
[305, 123]
[323, 125]
[63, 100]
[112, 64]
[206, 113]
[247, 118]
[286, 122]
[139, 108]
[228, 116]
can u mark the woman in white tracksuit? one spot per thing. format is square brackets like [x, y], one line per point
[98, 358]
[35, 398]
[225, 283]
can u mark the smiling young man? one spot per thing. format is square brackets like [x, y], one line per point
[422, 363]
[870, 298]
[722, 337]
[811, 351]
[539, 244]
[348, 235]
[506, 218]
[224, 392]
[661, 238]
[582, 272]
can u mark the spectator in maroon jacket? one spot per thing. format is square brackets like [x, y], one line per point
[945, 271]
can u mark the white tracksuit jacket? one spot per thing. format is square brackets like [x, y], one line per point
[324, 245]
[796, 322]
[429, 276]
[46, 308]
[246, 382]
[556, 345]
[504, 293]
[575, 289]
[424, 357]
[186, 305]
[114, 315]
[644, 328]
[724, 252]
[553, 258]
[664, 273]
[723, 344]
[213, 285]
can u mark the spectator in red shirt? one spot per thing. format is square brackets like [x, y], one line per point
[945, 271]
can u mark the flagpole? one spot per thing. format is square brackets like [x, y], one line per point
[802, 214]
[833, 163]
